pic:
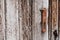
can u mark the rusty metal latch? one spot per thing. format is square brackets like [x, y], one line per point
[43, 20]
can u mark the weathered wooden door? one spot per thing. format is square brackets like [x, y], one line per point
[16, 18]
[21, 19]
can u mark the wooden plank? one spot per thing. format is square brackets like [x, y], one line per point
[12, 27]
[50, 21]
[36, 20]
[33, 21]
[2, 20]
[59, 18]
[54, 19]
[17, 20]
[37, 35]
[26, 19]
[20, 20]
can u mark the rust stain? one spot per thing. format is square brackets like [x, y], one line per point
[43, 20]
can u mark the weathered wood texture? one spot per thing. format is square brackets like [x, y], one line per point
[53, 19]
[2, 20]
[37, 28]
[27, 19]
[16, 19]
[59, 18]
[12, 27]
[50, 21]
[21, 19]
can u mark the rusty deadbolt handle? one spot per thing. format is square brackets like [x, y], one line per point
[43, 20]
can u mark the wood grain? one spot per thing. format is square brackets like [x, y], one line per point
[12, 27]
[2, 20]
[53, 21]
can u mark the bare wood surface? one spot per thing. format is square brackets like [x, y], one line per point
[12, 28]
[2, 20]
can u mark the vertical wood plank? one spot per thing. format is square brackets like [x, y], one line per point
[50, 21]
[54, 18]
[33, 21]
[12, 28]
[20, 20]
[26, 19]
[37, 20]
[17, 21]
[37, 28]
[53, 22]
[59, 18]
[2, 20]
